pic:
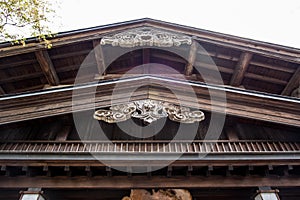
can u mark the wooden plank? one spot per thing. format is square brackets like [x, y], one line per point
[240, 69]
[270, 50]
[99, 57]
[293, 83]
[239, 102]
[47, 67]
[191, 59]
[124, 182]
[265, 78]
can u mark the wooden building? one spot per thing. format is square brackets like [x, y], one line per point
[53, 102]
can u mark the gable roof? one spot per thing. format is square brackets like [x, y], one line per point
[246, 63]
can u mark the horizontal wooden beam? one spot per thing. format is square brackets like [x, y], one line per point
[240, 69]
[293, 83]
[88, 160]
[47, 67]
[59, 101]
[124, 182]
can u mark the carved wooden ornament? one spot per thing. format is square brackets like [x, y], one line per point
[148, 111]
[146, 36]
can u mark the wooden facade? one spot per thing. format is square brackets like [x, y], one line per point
[43, 151]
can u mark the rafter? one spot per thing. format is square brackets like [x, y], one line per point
[293, 83]
[240, 69]
[99, 57]
[47, 67]
[191, 59]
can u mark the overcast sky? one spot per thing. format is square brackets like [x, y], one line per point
[275, 21]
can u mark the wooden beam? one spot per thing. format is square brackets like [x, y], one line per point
[265, 78]
[293, 83]
[262, 107]
[191, 59]
[47, 67]
[240, 69]
[123, 182]
[99, 57]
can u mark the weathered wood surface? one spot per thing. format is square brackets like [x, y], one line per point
[240, 69]
[152, 147]
[270, 50]
[239, 102]
[191, 59]
[47, 67]
[119, 182]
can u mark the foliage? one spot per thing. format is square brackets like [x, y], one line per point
[22, 18]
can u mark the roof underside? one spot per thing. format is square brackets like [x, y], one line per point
[242, 63]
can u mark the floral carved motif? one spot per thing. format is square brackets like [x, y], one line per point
[148, 111]
[146, 36]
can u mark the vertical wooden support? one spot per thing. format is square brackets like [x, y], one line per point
[191, 59]
[240, 69]
[47, 67]
[99, 57]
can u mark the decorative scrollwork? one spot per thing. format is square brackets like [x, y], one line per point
[146, 36]
[149, 111]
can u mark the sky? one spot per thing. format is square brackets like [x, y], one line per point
[274, 21]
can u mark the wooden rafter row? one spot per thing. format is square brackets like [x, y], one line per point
[99, 57]
[240, 69]
[293, 83]
[191, 59]
[47, 67]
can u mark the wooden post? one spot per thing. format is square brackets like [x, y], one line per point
[47, 67]
[240, 69]
[191, 59]
[99, 57]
